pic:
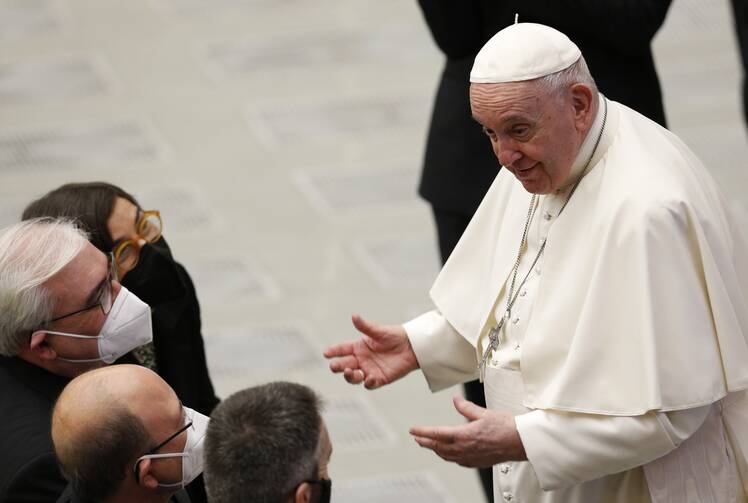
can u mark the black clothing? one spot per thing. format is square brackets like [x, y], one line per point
[614, 37]
[29, 470]
[740, 11]
[164, 284]
[459, 164]
[68, 496]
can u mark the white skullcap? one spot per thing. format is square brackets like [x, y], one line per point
[523, 51]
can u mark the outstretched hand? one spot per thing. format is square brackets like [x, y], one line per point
[380, 356]
[489, 438]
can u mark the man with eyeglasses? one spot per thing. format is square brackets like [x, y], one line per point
[62, 313]
[121, 434]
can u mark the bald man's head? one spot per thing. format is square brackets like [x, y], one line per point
[104, 420]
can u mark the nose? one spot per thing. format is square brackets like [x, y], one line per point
[506, 152]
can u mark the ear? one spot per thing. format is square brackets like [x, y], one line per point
[581, 101]
[40, 346]
[303, 493]
[147, 480]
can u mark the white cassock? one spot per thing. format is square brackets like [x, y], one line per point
[625, 356]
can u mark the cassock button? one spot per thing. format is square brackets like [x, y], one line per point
[523, 293]
[537, 271]
[508, 496]
[515, 320]
[547, 215]
[516, 345]
[504, 469]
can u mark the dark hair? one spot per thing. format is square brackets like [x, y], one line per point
[97, 465]
[90, 204]
[261, 443]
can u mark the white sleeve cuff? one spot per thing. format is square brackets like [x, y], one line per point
[445, 357]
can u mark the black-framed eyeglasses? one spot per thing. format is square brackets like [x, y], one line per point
[105, 296]
[154, 450]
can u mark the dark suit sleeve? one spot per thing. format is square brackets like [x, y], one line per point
[624, 25]
[455, 25]
[40, 481]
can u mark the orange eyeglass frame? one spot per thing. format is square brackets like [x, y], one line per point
[138, 242]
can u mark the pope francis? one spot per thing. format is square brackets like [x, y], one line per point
[599, 293]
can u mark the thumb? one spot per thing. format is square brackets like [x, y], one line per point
[365, 327]
[468, 409]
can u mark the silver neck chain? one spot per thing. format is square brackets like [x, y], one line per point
[512, 294]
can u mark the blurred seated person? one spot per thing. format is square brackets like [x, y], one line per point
[116, 223]
[62, 313]
[268, 444]
[122, 435]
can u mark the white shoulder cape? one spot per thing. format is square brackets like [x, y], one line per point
[642, 302]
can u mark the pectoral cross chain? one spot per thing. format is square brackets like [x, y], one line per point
[494, 336]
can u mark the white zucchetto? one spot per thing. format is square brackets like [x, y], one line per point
[523, 51]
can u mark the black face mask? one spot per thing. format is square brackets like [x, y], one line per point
[325, 490]
[157, 278]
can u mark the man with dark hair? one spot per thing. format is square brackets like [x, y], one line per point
[268, 444]
[121, 435]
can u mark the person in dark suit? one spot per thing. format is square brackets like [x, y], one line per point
[740, 12]
[459, 163]
[69, 496]
[116, 223]
[121, 435]
[62, 313]
[29, 471]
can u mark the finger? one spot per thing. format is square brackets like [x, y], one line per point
[440, 433]
[426, 443]
[468, 409]
[345, 362]
[371, 383]
[353, 376]
[445, 452]
[365, 327]
[342, 349]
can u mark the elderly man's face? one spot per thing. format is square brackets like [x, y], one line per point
[534, 135]
[76, 288]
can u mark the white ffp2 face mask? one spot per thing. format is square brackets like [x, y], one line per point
[127, 326]
[192, 455]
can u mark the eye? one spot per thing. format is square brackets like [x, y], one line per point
[489, 132]
[520, 131]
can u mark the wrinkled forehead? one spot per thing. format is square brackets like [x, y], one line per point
[523, 98]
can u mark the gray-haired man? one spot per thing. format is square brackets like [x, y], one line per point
[268, 443]
[62, 313]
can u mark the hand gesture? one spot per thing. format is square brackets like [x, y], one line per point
[489, 438]
[382, 355]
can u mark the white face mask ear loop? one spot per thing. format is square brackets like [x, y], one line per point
[182, 455]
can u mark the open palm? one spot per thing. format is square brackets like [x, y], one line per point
[380, 356]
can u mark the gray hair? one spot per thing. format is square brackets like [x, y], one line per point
[262, 443]
[578, 73]
[31, 252]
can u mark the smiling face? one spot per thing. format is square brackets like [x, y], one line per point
[534, 134]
